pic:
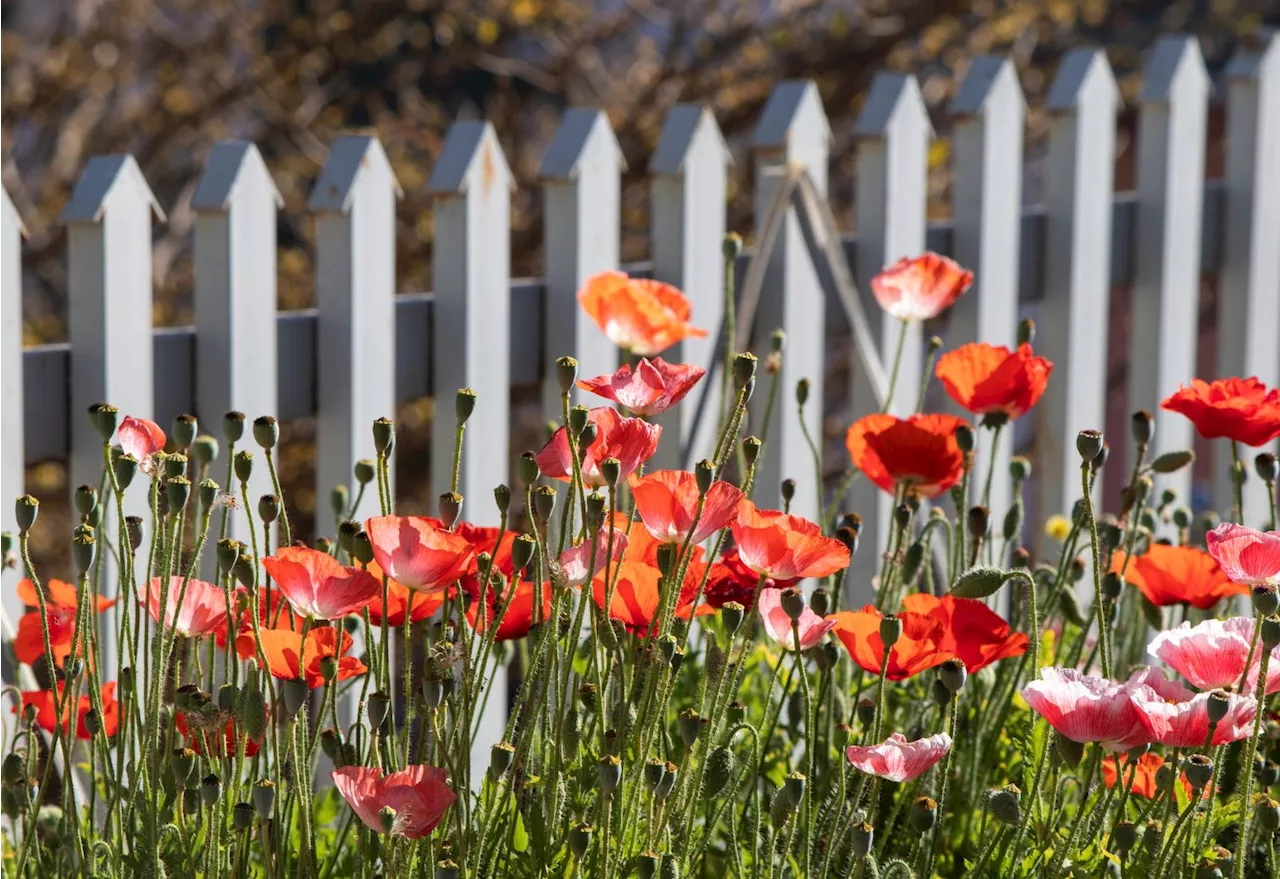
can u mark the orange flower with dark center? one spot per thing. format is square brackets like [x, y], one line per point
[519, 616]
[915, 651]
[60, 600]
[49, 703]
[970, 630]
[289, 657]
[1144, 775]
[785, 547]
[1239, 409]
[641, 316]
[1178, 575]
[920, 451]
[920, 288]
[991, 379]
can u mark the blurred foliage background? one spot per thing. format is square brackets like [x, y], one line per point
[165, 79]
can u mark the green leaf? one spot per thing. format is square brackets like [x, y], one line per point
[520, 838]
[328, 807]
[978, 582]
[1172, 462]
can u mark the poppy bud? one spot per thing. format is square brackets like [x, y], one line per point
[25, 510]
[450, 508]
[1264, 599]
[362, 548]
[940, 693]
[86, 500]
[82, 547]
[611, 470]
[1199, 769]
[328, 668]
[500, 757]
[1089, 444]
[233, 426]
[1219, 704]
[1164, 776]
[731, 246]
[1270, 634]
[595, 512]
[793, 604]
[226, 553]
[793, 788]
[587, 438]
[266, 431]
[820, 602]
[1153, 836]
[802, 392]
[1239, 475]
[92, 721]
[566, 373]
[953, 674]
[965, 438]
[1268, 812]
[788, 490]
[1019, 469]
[178, 491]
[464, 403]
[1111, 585]
[207, 493]
[1265, 466]
[890, 630]
[544, 502]
[666, 558]
[295, 692]
[579, 418]
[866, 710]
[242, 816]
[1142, 424]
[648, 864]
[264, 797]
[527, 468]
[979, 521]
[387, 819]
[376, 708]
[184, 431]
[1070, 751]
[923, 815]
[243, 465]
[1100, 460]
[731, 614]
[691, 724]
[104, 416]
[861, 838]
[609, 773]
[1124, 836]
[210, 789]
[744, 369]
[1005, 804]
[384, 436]
[522, 550]
[654, 770]
[580, 839]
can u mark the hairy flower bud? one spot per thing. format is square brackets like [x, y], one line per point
[243, 465]
[566, 373]
[744, 369]
[1089, 444]
[923, 814]
[233, 426]
[609, 773]
[384, 436]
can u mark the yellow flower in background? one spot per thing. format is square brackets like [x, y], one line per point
[1058, 527]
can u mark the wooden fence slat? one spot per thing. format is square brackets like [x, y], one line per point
[1249, 285]
[687, 227]
[989, 111]
[12, 461]
[1166, 289]
[793, 131]
[1077, 263]
[581, 183]
[893, 132]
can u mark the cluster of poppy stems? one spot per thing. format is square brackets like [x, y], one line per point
[650, 730]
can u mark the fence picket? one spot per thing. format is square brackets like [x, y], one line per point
[581, 184]
[1166, 287]
[687, 225]
[12, 462]
[893, 133]
[1249, 286]
[1077, 268]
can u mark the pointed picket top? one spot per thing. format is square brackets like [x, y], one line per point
[103, 177]
[1174, 65]
[989, 80]
[1085, 74]
[581, 131]
[1257, 55]
[687, 129]
[894, 100]
[11, 214]
[793, 105]
[471, 154]
[349, 157]
[232, 163]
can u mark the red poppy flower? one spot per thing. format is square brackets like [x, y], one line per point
[1178, 575]
[915, 651]
[785, 547]
[317, 585]
[484, 538]
[731, 580]
[401, 600]
[417, 795]
[920, 288]
[641, 316]
[225, 745]
[140, 438]
[970, 629]
[47, 703]
[1240, 409]
[1144, 775]
[518, 619]
[636, 597]
[203, 611]
[667, 501]
[631, 440]
[60, 600]
[987, 379]
[417, 552]
[920, 450]
[655, 385]
[289, 657]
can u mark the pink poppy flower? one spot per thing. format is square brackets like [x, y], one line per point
[418, 794]
[317, 585]
[896, 759]
[140, 439]
[203, 610]
[653, 386]
[1211, 654]
[418, 552]
[1178, 718]
[631, 440]
[776, 622]
[1246, 555]
[920, 288]
[785, 547]
[667, 501]
[1085, 708]
[575, 560]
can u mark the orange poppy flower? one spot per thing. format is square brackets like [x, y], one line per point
[401, 600]
[641, 316]
[1239, 409]
[785, 547]
[991, 379]
[1144, 776]
[417, 551]
[915, 651]
[47, 703]
[60, 599]
[642, 549]
[225, 745]
[289, 657]
[1178, 575]
[970, 630]
[667, 502]
[731, 580]
[636, 597]
[920, 451]
[654, 386]
[920, 288]
[631, 440]
[317, 584]
[518, 619]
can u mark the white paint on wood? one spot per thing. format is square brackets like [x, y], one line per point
[12, 462]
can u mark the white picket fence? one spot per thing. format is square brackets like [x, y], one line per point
[362, 348]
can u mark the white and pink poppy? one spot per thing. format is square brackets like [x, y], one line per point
[654, 386]
[778, 624]
[896, 759]
[1246, 555]
[1178, 718]
[1085, 708]
[1211, 654]
[576, 561]
[203, 610]
[418, 797]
